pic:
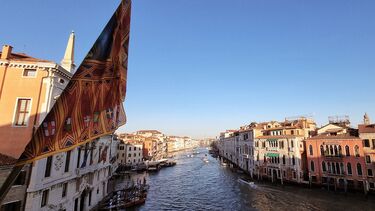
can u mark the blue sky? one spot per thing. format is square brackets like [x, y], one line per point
[199, 67]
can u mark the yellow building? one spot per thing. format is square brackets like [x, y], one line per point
[28, 89]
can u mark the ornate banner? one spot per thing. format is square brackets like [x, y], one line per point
[91, 104]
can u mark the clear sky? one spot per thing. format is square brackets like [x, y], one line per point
[198, 67]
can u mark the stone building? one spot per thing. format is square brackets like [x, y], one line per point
[336, 161]
[130, 153]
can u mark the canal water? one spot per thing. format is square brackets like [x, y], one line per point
[196, 185]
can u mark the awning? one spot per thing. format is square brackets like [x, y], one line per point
[272, 155]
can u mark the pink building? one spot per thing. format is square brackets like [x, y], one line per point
[336, 161]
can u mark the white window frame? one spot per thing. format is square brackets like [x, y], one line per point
[15, 112]
[23, 72]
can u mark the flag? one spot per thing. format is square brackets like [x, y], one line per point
[96, 90]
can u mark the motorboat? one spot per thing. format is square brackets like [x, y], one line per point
[251, 184]
[205, 159]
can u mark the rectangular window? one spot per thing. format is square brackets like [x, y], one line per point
[369, 172]
[91, 153]
[67, 161]
[22, 112]
[368, 159]
[29, 72]
[47, 173]
[366, 142]
[76, 204]
[100, 152]
[64, 189]
[90, 195]
[373, 143]
[79, 157]
[44, 198]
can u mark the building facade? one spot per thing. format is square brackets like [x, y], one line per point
[29, 88]
[367, 134]
[72, 180]
[336, 161]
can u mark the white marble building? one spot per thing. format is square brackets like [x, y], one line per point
[73, 180]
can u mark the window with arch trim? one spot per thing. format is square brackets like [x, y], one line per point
[359, 169]
[347, 151]
[321, 150]
[349, 168]
[356, 150]
[293, 161]
[312, 166]
[311, 150]
[324, 168]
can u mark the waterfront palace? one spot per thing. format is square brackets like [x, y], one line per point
[335, 155]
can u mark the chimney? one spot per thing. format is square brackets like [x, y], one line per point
[6, 52]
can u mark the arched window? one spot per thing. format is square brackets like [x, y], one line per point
[333, 168]
[321, 150]
[347, 151]
[335, 151]
[341, 168]
[356, 150]
[327, 150]
[258, 157]
[329, 167]
[337, 168]
[324, 168]
[359, 169]
[284, 159]
[330, 150]
[349, 167]
[340, 150]
[312, 167]
[311, 149]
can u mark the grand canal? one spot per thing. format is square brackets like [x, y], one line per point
[196, 185]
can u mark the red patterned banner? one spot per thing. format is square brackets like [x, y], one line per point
[91, 104]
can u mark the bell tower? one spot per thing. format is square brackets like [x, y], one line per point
[68, 60]
[366, 119]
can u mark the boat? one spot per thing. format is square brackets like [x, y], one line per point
[205, 159]
[170, 163]
[153, 168]
[128, 197]
[251, 184]
[224, 164]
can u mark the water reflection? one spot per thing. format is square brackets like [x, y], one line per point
[196, 185]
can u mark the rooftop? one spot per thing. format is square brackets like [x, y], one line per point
[366, 128]
[26, 58]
